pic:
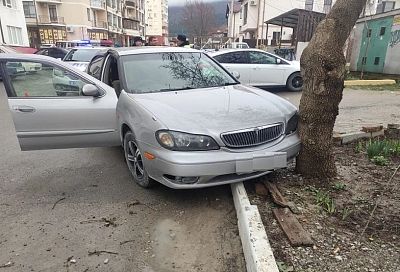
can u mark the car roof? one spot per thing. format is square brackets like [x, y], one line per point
[229, 50]
[123, 51]
[89, 47]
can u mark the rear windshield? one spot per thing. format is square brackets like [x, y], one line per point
[84, 55]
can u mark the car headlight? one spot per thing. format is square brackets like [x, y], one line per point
[180, 141]
[291, 125]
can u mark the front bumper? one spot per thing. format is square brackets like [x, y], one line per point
[219, 167]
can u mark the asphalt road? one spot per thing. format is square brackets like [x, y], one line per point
[99, 208]
[360, 108]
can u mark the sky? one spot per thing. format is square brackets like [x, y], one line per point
[182, 2]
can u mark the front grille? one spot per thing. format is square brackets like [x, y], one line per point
[253, 136]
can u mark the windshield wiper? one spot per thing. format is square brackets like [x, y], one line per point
[177, 89]
[231, 83]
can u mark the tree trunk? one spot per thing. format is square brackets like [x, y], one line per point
[323, 71]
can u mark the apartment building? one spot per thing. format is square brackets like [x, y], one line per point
[12, 23]
[157, 20]
[133, 20]
[49, 21]
[249, 20]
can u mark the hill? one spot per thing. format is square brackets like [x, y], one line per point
[175, 13]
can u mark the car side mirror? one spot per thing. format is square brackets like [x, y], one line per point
[91, 90]
[278, 61]
[235, 74]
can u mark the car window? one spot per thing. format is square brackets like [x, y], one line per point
[261, 58]
[161, 72]
[56, 53]
[232, 57]
[44, 52]
[34, 79]
[84, 55]
[95, 66]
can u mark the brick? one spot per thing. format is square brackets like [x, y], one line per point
[260, 189]
[372, 128]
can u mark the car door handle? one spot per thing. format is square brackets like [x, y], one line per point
[24, 108]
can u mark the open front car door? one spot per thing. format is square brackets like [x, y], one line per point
[56, 106]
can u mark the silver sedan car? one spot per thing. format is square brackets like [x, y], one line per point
[182, 119]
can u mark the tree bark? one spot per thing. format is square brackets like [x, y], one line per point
[323, 71]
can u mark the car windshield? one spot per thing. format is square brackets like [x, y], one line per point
[84, 55]
[162, 72]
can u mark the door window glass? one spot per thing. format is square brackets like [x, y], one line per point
[261, 58]
[234, 57]
[34, 79]
[95, 67]
[44, 52]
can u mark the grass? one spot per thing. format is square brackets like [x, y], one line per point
[379, 151]
[338, 186]
[346, 212]
[324, 200]
[392, 88]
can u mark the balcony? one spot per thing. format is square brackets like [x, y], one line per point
[49, 1]
[132, 17]
[44, 19]
[131, 4]
[99, 24]
[98, 4]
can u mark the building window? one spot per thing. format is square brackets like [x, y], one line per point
[327, 6]
[309, 4]
[88, 14]
[385, 6]
[53, 13]
[29, 9]
[14, 35]
[383, 31]
[364, 60]
[376, 62]
[245, 9]
[9, 3]
[115, 20]
[109, 18]
[369, 33]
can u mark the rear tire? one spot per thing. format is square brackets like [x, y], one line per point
[295, 82]
[134, 161]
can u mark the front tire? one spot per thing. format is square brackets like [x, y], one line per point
[295, 82]
[134, 160]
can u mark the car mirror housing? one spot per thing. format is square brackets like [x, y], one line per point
[91, 90]
[278, 61]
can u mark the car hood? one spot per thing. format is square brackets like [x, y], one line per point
[216, 110]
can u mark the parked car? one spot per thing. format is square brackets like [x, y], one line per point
[241, 45]
[54, 52]
[80, 57]
[19, 68]
[261, 69]
[182, 119]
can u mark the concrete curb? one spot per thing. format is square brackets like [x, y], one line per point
[369, 82]
[257, 250]
[341, 139]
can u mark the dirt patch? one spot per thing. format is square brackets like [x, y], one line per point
[335, 214]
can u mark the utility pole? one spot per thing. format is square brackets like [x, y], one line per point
[231, 14]
[258, 22]
[2, 34]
